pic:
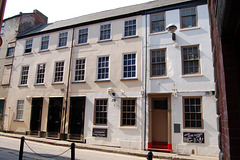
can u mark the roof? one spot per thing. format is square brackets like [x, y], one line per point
[105, 15]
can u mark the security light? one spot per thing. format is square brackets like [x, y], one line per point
[172, 28]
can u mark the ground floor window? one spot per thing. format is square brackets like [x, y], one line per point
[192, 113]
[101, 107]
[1, 109]
[128, 116]
[20, 108]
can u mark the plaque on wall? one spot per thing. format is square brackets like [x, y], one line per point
[99, 132]
[193, 137]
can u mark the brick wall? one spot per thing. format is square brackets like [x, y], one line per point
[226, 47]
[31, 20]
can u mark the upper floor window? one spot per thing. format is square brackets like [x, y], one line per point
[130, 28]
[188, 17]
[20, 109]
[191, 60]
[158, 62]
[157, 22]
[28, 46]
[10, 51]
[24, 75]
[59, 69]
[79, 70]
[129, 65]
[44, 42]
[103, 68]
[62, 39]
[40, 73]
[192, 113]
[128, 110]
[101, 108]
[105, 32]
[82, 36]
[2, 28]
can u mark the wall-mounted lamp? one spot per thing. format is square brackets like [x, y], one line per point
[28, 98]
[113, 94]
[172, 28]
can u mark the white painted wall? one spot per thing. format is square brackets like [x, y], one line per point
[186, 85]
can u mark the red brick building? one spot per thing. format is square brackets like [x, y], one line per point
[225, 33]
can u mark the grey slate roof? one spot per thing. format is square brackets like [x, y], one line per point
[103, 15]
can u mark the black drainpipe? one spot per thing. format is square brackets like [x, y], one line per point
[145, 89]
[68, 83]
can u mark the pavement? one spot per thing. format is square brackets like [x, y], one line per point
[141, 153]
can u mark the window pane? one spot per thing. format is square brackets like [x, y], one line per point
[190, 60]
[128, 112]
[105, 32]
[130, 28]
[80, 70]
[188, 18]
[28, 46]
[100, 112]
[40, 73]
[129, 65]
[193, 116]
[24, 75]
[62, 39]
[103, 67]
[157, 23]
[10, 51]
[59, 68]
[158, 63]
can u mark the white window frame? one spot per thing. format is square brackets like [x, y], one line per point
[54, 72]
[108, 68]
[74, 75]
[21, 109]
[2, 28]
[124, 65]
[44, 41]
[28, 46]
[125, 26]
[21, 76]
[7, 55]
[58, 45]
[101, 30]
[78, 34]
[37, 73]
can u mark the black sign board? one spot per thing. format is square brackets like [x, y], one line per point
[99, 132]
[176, 128]
[193, 137]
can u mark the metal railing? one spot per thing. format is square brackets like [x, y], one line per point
[72, 148]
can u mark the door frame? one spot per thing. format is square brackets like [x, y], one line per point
[151, 98]
[79, 136]
[39, 127]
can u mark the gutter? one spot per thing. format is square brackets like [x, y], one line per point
[68, 84]
[145, 87]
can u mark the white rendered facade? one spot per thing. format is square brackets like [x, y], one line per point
[104, 62]
[175, 85]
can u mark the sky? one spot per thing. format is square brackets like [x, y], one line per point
[57, 10]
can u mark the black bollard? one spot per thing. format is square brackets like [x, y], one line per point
[21, 148]
[149, 155]
[73, 151]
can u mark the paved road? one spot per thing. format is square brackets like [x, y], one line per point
[9, 150]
